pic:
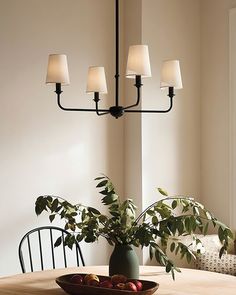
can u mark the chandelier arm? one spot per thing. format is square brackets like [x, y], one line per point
[152, 111]
[59, 91]
[138, 84]
[137, 102]
[104, 112]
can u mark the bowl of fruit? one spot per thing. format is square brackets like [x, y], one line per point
[92, 284]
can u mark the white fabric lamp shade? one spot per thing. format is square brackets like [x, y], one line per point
[138, 62]
[57, 69]
[171, 74]
[96, 81]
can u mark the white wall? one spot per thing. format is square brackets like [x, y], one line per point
[43, 149]
[215, 108]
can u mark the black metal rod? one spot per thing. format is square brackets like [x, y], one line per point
[117, 75]
[81, 256]
[104, 112]
[138, 84]
[64, 250]
[52, 249]
[40, 250]
[152, 111]
[76, 109]
[30, 254]
[137, 102]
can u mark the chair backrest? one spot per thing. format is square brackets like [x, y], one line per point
[36, 248]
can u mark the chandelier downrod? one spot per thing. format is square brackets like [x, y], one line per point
[137, 67]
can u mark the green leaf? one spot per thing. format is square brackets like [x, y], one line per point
[151, 252]
[104, 192]
[52, 217]
[154, 220]
[222, 251]
[180, 227]
[208, 215]
[189, 257]
[163, 192]
[177, 250]
[187, 224]
[168, 267]
[99, 178]
[173, 274]
[221, 234]
[196, 210]
[174, 204]
[151, 212]
[229, 233]
[40, 205]
[58, 242]
[102, 183]
[172, 247]
[79, 238]
[49, 199]
[205, 229]
[54, 205]
[109, 199]
[93, 210]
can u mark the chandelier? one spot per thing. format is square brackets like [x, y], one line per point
[138, 67]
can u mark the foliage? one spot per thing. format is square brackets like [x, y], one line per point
[168, 217]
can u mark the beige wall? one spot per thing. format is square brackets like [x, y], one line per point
[171, 142]
[215, 162]
[232, 116]
[43, 149]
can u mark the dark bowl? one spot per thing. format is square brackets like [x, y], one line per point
[65, 283]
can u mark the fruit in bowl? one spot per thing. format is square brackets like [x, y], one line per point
[138, 284]
[120, 286]
[116, 279]
[77, 279]
[106, 284]
[71, 284]
[130, 287]
[91, 280]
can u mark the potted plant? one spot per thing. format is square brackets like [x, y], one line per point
[165, 218]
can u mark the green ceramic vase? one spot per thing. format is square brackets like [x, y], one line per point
[124, 260]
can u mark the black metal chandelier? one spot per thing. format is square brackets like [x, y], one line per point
[138, 66]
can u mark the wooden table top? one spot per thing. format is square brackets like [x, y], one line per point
[188, 282]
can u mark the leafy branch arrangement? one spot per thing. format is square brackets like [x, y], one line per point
[165, 218]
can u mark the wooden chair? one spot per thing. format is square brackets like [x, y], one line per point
[37, 249]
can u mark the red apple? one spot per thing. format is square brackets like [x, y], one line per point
[120, 286]
[116, 279]
[106, 284]
[77, 279]
[138, 284]
[130, 287]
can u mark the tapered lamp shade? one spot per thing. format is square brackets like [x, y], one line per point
[57, 69]
[96, 80]
[138, 62]
[171, 74]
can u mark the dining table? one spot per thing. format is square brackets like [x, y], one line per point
[189, 281]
